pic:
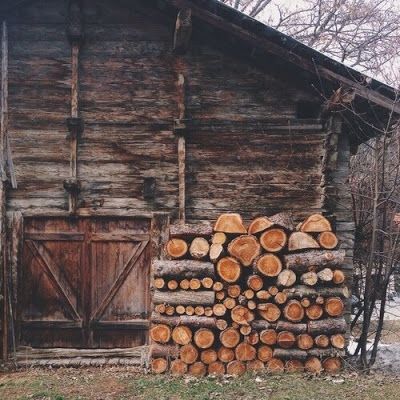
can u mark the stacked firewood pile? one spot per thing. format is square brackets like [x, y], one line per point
[231, 299]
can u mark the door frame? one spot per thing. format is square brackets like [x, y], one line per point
[159, 232]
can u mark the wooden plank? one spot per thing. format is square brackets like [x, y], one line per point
[126, 324]
[183, 31]
[51, 324]
[119, 237]
[55, 236]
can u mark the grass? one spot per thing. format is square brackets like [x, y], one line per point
[126, 383]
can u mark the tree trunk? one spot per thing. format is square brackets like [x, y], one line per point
[180, 269]
[185, 297]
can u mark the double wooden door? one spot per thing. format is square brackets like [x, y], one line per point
[84, 282]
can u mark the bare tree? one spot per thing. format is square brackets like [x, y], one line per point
[251, 7]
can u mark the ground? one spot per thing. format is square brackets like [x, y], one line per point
[126, 383]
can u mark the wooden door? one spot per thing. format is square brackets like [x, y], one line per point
[84, 282]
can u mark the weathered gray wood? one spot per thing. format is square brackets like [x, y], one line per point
[190, 230]
[182, 269]
[192, 320]
[327, 326]
[300, 291]
[185, 297]
[320, 258]
[183, 31]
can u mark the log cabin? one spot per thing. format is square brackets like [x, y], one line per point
[120, 118]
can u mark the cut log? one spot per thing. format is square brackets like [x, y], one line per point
[189, 353]
[216, 252]
[263, 295]
[160, 333]
[222, 324]
[338, 277]
[334, 306]
[309, 278]
[219, 238]
[259, 224]
[321, 258]
[255, 282]
[172, 284]
[195, 284]
[280, 298]
[245, 248]
[245, 329]
[314, 312]
[181, 269]
[269, 311]
[328, 240]
[229, 338]
[283, 219]
[184, 297]
[230, 223]
[253, 338]
[170, 310]
[325, 275]
[248, 294]
[198, 369]
[319, 300]
[286, 278]
[305, 302]
[268, 336]
[275, 365]
[251, 305]
[180, 310]
[273, 240]
[268, 265]
[208, 356]
[289, 354]
[305, 341]
[273, 290]
[264, 353]
[189, 310]
[323, 353]
[293, 366]
[254, 365]
[199, 248]
[190, 230]
[236, 368]
[160, 308]
[286, 339]
[176, 248]
[338, 341]
[225, 354]
[220, 295]
[219, 310]
[184, 284]
[291, 327]
[163, 350]
[159, 283]
[159, 365]
[261, 324]
[313, 365]
[208, 312]
[182, 335]
[293, 311]
[332, 365]
[301, 241]
[207, 282]
[229, 303]
[245, 352]
[242, 315]
[229, 269]
[234, 291]
[204, 338]
[316, 223]
[322, 341]
[217, 368]
[327, 326]
[298, 292]
[178, 367]
[218, 286]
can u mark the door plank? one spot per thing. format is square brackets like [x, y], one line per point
[127, 324]
[48, 324]
[119, 237]
[55, 236]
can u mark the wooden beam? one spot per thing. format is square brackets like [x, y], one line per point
[183, 31]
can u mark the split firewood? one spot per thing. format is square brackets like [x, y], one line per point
[229, 303]
[221, 324]
[184, 284]
[301, 241]
[195, 284]
[305, 341]
[176, 248]
[219, 310]
[255, 282]
[185, 297]
[218, 286]
[172, 284]
[245, 352]
[220, 295]
[273, 240]
[199, 310]
[322, 341]
[325, 275]
[180, 310]
[316, 223]
[236, 368]
[182, 335]
[207, 282]
[332, 364]
[230, 223]
[263, 295]
[309, 278]
[264, 353]
[245, 330]
[219, 238]
[294, 366]
[181, 269]
[160, 333]
[313, 365]
[190, 230]
[338, 277]
[280, 298]
[249, 294]
[328, 240]
[159, 365]
[315, 257]
[314, 312]
[216, 252]
[217, 368]
[199, 248]
[269, 311]
[170, 310]
[305, 302]
[164, 351]
[225, 354]
[259, 224]
[273, 290]
[242, 315]
[338, 341]
[284, 220]
[275, 365]
[251, 305]
[245, 248]
[160, 308]
[204, 338]
[253, 337]
[229, 269]
[229, 338]
[334, 306]
[327, 326]
[286, 278]
[268, 336]
[159, 283]
[234, 291]
[189, 310]
[208, 356]
[293, 311]
[286, 339]
[254, 365]
[268, 265]
[178, 367]
[198, 369]
[290, 354]
[296, 328]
